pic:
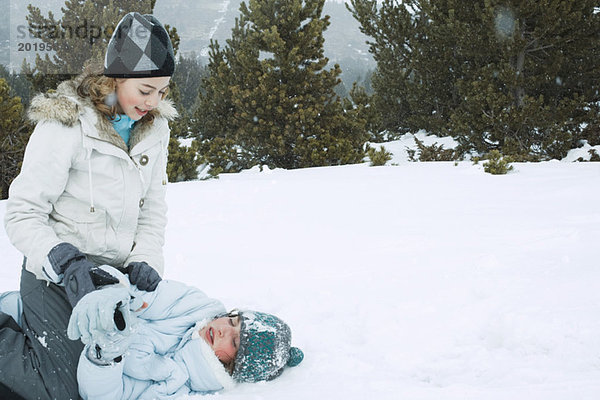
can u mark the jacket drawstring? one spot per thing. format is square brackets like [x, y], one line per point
[165, 162]
[139, 170]
[91, 186]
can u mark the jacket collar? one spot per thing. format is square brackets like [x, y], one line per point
[66, 107]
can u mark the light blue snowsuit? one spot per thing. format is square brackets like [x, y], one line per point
[166, 358]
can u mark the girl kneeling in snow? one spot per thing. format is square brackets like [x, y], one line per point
[91, 191]
[180, 342]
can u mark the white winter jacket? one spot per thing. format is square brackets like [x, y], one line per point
[80, 184]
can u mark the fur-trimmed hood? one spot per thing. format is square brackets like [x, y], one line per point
[65, 106]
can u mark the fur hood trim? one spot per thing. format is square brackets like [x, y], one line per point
[65, 106]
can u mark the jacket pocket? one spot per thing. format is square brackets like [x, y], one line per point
[73, 222]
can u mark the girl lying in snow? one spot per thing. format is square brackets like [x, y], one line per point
[177, 342]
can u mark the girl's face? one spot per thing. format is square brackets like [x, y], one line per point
[137, 96]
[223, 336]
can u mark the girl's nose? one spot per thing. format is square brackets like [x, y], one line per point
[152, 101]
[225, 330]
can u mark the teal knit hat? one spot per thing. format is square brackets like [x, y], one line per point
[265, 348]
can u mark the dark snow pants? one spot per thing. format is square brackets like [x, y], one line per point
[37, 360]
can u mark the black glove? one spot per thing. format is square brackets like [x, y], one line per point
[143, 276]
[80, 275]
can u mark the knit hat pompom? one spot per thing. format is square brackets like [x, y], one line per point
[265, 348]
[296, 357]
[139, 47]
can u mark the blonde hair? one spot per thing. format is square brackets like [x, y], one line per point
[98, 88]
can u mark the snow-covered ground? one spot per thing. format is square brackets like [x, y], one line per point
[409, 281]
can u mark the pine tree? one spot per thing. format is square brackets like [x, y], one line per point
[360, 103]
[517, 76]
[418, 58]
[183, 158]
[392, 30]
[18, 83]
[269, 100]
[183, 161]
[14, 132]
[530, 95]
[188, 76]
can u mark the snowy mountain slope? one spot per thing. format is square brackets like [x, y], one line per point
[417, 281]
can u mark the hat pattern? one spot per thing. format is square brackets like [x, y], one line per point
[140, 47]
[265, 348]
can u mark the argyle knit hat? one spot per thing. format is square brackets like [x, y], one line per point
[139, 48]
[265, 348]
